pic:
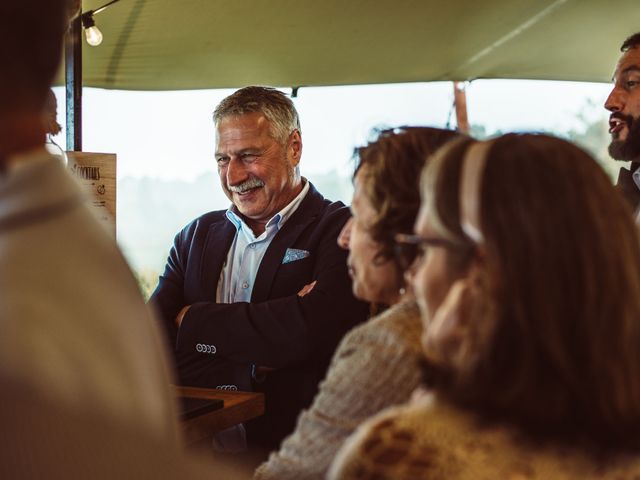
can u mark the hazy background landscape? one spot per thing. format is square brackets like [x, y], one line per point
[164, 142]
[151, 211]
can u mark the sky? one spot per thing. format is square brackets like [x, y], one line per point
[169, 135]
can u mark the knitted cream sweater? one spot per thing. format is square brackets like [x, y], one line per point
[376, 365]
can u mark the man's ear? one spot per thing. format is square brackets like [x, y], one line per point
[294, 148]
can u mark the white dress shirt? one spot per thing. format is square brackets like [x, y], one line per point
[238, 274]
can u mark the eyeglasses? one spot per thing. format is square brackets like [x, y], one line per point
[409, 248]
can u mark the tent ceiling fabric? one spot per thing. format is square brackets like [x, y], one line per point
[192, 44]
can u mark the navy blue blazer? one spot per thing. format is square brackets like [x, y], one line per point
[218, 344]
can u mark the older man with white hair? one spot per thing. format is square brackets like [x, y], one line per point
[256, 297]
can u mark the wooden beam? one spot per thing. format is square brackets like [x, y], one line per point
[460, 100]
[73, 82]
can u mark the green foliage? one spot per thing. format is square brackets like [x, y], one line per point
[593, 136]
[147, 281]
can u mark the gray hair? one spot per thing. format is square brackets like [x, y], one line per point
[272, 103]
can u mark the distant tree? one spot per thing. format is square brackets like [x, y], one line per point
[591, 134]
[333, 185]
[147, 281]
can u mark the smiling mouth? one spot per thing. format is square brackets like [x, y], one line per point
[247, 192]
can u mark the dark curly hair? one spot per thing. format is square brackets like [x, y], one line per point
[31, 33]
[394, 161]
[631, 42]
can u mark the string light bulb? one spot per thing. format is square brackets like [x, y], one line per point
[91, 32]
[94, 36]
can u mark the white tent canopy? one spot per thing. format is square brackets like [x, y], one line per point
[192, 44]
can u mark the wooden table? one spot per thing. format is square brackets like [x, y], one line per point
[238, 408]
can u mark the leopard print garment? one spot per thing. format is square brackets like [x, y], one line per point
[429, 440]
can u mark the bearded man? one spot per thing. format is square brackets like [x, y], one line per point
[624, 122]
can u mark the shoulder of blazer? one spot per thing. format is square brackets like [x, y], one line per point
[314, 204]
[202, 223]
[333, 214]
[199, 227]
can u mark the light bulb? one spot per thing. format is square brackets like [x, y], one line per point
[94, 36]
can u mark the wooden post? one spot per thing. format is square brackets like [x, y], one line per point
[460, 100]
[73, 82]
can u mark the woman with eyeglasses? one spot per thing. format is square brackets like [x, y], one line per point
[377, 363]
[529, 289]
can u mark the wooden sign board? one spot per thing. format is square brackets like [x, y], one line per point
[96, 172]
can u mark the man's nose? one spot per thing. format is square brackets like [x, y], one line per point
[615, 100]
[236, 172]
[345, 235]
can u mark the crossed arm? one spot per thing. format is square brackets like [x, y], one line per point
[275, 333]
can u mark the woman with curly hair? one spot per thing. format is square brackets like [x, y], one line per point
[377, 363]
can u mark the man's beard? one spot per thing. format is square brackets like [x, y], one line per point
[629, 149]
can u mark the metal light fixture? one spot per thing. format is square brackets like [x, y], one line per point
[91, 32]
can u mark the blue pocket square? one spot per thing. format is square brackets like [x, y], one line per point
[293, 254]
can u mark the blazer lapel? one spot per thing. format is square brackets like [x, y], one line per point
[214, 254]
[307, 212]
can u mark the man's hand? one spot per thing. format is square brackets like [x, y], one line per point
[181, 315]
[260, 373]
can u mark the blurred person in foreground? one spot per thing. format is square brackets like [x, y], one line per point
[83, 372]
[73, 325]
[624, 122]
[72, 321]
[257, 296]
[42, 438]
[529, 292]
[377, 364]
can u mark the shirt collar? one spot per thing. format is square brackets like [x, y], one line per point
[278, 219]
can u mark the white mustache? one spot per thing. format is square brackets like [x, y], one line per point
[252, 182]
